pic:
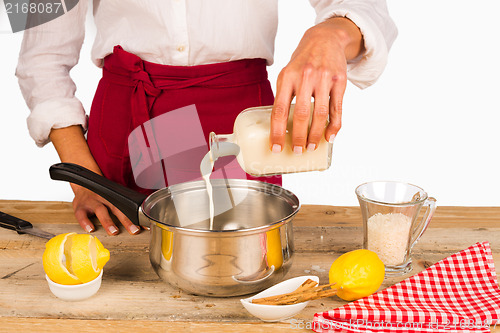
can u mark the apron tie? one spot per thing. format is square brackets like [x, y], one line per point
[130, 70]
[143, 97]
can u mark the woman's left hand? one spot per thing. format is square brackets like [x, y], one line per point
[317, 68]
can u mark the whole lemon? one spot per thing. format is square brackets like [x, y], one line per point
[73, 259]
[357, 274]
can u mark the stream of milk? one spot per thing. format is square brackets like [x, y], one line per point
[207, 166]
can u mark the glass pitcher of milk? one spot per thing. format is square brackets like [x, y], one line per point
[250, 143]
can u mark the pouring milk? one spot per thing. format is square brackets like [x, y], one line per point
[249, 142]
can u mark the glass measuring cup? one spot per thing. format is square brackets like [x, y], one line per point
[391, 226]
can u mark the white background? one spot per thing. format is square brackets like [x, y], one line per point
[432, 118]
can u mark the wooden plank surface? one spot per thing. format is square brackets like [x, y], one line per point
[40, 212]
[131, 289]
[132, 297]
[150, 326]
[325, 228]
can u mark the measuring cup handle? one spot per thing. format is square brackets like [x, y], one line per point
[424, 223]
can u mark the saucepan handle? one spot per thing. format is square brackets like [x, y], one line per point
[126, 200]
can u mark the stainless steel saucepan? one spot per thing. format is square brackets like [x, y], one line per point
[247, 248]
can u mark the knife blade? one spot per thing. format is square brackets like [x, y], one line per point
[21, 226]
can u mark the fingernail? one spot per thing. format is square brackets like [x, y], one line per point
[276, 148]
[88, 228]
[113, 230]
[297, 150]
[134, 229]
[332, 137]
[311, 147]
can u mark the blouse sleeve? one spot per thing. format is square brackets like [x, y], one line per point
[378, 30]
[48, 53]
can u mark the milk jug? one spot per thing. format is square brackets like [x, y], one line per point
[250, 143]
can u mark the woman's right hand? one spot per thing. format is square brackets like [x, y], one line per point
[72, 147]
[86, 204]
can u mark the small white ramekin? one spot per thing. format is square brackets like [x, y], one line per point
[75, 292]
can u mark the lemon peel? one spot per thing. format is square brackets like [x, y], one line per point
[357, 274]
[102, 254]
[54, 259]
[72, 258]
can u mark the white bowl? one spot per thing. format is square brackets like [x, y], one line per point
[75, 292]
[272, 313]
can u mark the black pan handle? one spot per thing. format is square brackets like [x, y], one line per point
[126, 200]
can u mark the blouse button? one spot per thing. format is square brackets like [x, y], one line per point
[181, 48]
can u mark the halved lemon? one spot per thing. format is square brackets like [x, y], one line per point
[74, 258]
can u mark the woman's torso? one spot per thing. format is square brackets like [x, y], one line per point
[186, 33]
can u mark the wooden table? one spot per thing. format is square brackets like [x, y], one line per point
[133, 299]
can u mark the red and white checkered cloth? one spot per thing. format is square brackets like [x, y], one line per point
[458, 294]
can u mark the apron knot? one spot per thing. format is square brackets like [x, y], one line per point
[143, 77]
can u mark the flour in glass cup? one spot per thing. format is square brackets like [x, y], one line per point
[388, 236]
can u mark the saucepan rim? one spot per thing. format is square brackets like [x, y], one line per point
[167, 192]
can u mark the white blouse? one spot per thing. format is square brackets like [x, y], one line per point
[173, 32]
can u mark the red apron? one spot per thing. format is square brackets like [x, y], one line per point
[132, 92]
